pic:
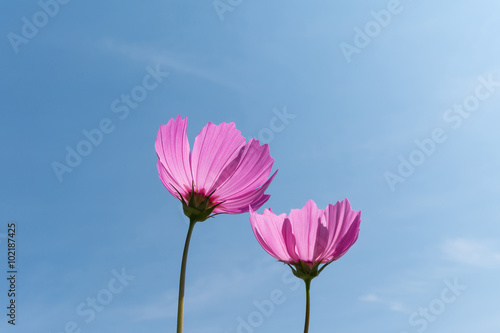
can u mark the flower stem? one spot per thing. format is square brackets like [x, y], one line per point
[308, 304]
[180, 309]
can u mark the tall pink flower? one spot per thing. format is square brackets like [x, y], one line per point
[222, 175]
[307, 238]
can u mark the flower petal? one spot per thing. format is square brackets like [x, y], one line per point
[237, 205]
[249, 170]
[268, 229]
[172, 148]
[343, 228]
[169, 182]
[305, 223]
[322, 240]
[215, 147]
[347, 241]
[289, 239]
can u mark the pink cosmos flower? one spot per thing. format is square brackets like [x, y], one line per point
[222, 174]
[309, 236]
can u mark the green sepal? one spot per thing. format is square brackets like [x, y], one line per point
[196, 210]
[304, 271]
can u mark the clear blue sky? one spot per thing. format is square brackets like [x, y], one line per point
[394, 105]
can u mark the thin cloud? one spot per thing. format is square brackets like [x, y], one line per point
[182, 63]
[210, 291]
[485, 253]
[393, 305]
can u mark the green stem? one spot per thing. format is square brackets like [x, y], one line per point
[308, 304]
[180, 309]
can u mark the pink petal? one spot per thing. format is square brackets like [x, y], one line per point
[347, 241]
[172, 148]
[289, 238]
[305, 223]
[343, 227]
[322, 240]
[249, 170]
[268, 229]
[237, 205]
[214, 148]
[168, 181]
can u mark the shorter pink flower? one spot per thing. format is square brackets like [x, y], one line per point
[309, 236]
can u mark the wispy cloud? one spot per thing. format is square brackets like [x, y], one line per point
[393, 305]
[209, 291]
[188, 64]
[479, 253]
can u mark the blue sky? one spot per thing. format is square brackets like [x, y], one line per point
[393, 104]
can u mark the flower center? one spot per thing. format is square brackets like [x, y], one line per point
[197, 200]
[199, 206]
